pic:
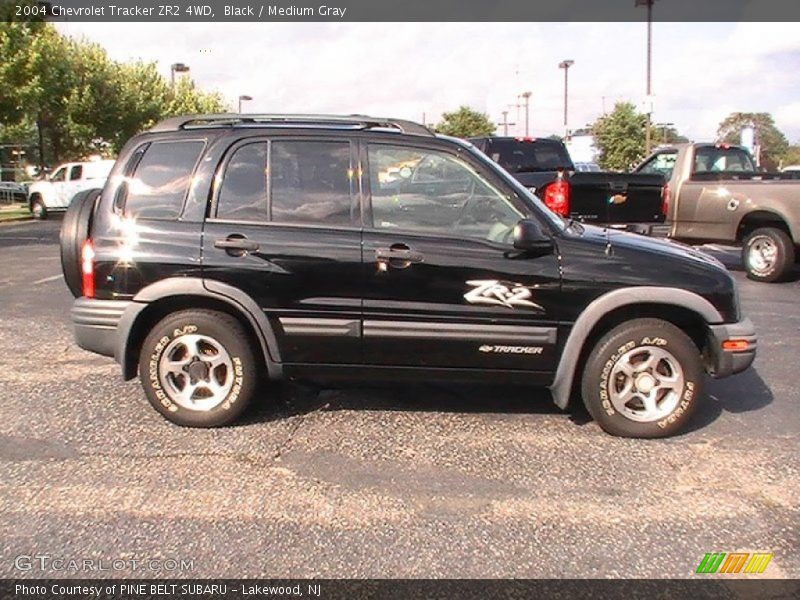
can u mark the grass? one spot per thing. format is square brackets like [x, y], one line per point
[12, 212]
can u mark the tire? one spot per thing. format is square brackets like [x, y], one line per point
[75, 230]
[195, 392]
[617, 380]
[38, 209]
[768, 255]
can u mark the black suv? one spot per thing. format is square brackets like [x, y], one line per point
[227, 247]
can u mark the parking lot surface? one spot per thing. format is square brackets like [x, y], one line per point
[422, 481]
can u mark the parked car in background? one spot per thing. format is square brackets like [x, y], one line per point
[627, 201]
[588, 167]
[10, 192]
[716, 194]
[56, 192]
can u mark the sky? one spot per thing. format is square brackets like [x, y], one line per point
[701, 72]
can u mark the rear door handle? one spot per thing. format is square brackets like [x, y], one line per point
[236, 246]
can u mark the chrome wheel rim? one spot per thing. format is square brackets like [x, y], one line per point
[762, 255]
[196, 372]
[38, 210]
[646, 384]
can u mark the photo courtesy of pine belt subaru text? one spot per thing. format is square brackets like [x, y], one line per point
[225, 250]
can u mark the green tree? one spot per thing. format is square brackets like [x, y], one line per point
[465, 122]
[771, 140]
[74, 101]
[620, 137]
[666, 135]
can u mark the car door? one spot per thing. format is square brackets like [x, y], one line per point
[443, 285]
[57, 181]
[72, 185]
[284, 230]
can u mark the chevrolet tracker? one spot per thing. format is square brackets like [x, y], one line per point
[228, 249]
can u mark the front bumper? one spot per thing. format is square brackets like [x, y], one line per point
[95, 322]
[722, 362]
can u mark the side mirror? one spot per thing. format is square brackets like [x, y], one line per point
[529, 236]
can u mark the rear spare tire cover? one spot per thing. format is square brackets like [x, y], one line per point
[75, 230]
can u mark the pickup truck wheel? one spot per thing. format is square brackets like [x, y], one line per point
[768, 255]
[643, 379]
[38, 209]
[198, 369]
[75, 230]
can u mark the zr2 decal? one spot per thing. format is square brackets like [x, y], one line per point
[500, 293]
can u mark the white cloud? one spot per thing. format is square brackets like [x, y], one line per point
[701, 71]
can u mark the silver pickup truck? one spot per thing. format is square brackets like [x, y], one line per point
[716, 194]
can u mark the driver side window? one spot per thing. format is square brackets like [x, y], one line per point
[428, 191]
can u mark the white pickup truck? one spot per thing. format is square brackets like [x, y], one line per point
[56, 192]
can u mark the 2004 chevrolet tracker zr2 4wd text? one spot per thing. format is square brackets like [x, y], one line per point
[227, 247]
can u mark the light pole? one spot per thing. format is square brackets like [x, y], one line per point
[566, 64]
[527, 97]
[649, 5]
[243, 98]
[177, 68]
[505, 123]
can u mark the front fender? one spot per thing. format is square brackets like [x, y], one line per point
[590, 317]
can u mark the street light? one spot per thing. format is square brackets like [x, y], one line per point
[527, 97]
[649, 5]
[243, 98]
[177, 68]
[566, 64]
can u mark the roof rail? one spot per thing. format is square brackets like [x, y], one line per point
[233, 120]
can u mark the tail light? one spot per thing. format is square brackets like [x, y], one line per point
[87, 269]
[556, 196]
[665, 199]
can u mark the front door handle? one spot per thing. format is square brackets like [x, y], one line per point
[398, 256]
[236, 246]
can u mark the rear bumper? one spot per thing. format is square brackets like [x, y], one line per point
[723, 363]
[96, 322]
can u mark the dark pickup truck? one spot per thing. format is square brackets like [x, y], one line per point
[634, 202]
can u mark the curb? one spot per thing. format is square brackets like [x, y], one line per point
[16, 219]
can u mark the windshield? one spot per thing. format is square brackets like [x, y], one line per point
[528, 156]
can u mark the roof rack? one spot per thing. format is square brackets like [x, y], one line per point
[233, 120]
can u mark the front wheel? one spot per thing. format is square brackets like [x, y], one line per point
[38, 209]
[768, 255]
[643, 379]
[198, 368]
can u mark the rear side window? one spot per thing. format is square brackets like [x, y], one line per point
[243, 194]
[714, 159]
[310, 182]
[662, 163]
[158, 186]
[75, 172]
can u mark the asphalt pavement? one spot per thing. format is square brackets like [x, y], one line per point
[412, 481]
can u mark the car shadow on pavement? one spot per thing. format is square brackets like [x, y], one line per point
[299, 399]
[741, 393]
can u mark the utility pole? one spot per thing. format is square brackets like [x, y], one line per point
[505, 124]
[649, 107]
[566, 64]
[527, 97]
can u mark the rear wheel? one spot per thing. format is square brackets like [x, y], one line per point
[768, 255]
[198, 368]
[75, 229]
[643, 379]
[38, 209]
